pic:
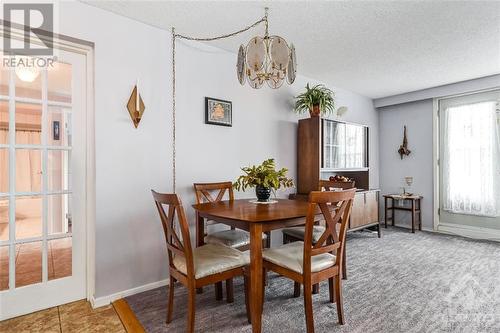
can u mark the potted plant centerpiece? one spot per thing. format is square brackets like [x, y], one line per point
[265, 178]
[318, 100]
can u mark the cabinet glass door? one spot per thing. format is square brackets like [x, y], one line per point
[344, 145]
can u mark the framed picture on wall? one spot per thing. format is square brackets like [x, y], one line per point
[218, 112]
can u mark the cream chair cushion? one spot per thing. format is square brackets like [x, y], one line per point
[212, 259]
[299, 232]
[232, 238]
[291, 256]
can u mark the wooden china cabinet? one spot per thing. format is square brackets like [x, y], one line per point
[327, 148]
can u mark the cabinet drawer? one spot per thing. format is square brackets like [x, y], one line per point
[371, 207]
[358, 211]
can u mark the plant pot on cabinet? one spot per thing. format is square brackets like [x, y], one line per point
[263, 193]
[315, 111]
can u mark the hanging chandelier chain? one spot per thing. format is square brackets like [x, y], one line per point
[209, 39]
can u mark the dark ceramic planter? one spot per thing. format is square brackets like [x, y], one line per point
[263, 193]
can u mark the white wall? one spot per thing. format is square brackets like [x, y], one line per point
[130, 249]
[417, 117]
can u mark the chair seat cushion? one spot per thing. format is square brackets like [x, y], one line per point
[232, 238]
[299, 232]
[212, 259]
[291, 256]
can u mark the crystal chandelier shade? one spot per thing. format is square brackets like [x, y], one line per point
[266, 59]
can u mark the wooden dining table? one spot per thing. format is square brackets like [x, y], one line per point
[256, 219]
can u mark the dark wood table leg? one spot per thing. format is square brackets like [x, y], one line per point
[386, 210]
[413, 216]
[419, 215]
[256, 285]
[200, 230]
[200, 239]
[393, 212]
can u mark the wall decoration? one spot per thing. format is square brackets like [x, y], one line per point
[136, 106]
[56, 130]
[403, 149]
[218, 112]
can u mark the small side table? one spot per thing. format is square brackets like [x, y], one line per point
[414, 208]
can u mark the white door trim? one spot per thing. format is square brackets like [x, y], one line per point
[86, 49]
[449, 228]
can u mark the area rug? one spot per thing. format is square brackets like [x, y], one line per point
[403, 282]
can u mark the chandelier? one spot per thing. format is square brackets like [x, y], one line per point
[266, 59]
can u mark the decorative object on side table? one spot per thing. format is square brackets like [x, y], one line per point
[218, 112]
[265, 178]
[409, 182]
[136, 105]
[318, 100]
[403, 149]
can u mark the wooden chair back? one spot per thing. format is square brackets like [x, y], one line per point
[213, 192]
[328, 184]
[178, 244]
[335, 207]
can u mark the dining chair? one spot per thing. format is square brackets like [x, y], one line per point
[294, 234]
[235, 238]
[307, 262]
[194, 268]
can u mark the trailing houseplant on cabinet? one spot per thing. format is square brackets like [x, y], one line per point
[318, 100]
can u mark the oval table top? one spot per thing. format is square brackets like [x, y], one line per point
[245, 210]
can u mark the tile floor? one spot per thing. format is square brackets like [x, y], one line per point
[73, 317]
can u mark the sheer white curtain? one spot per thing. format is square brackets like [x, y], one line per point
[471, 159]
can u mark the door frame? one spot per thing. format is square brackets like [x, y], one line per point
[85, 48]
[443, 227]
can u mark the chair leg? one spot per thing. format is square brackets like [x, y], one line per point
[316, 288]
[338, 296]
[218, 291]
[170, 300]
[344, 266]
[331, 288]
[308, 307]
[229, 290]
[247, 298]
[296, 289]
[191, 312]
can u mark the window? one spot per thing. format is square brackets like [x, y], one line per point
[471, 158]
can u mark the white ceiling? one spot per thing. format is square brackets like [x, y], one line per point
[377, 49]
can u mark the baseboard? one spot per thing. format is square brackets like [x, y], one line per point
[106, 300]
[469, 231]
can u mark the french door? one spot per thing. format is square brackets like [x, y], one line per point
[469, 155]
[42, 185]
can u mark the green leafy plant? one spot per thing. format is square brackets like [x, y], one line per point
[264, 175]
[319, 96]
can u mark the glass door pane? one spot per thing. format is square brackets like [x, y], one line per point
[4, 122]
[28, 263]
[4, 267]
